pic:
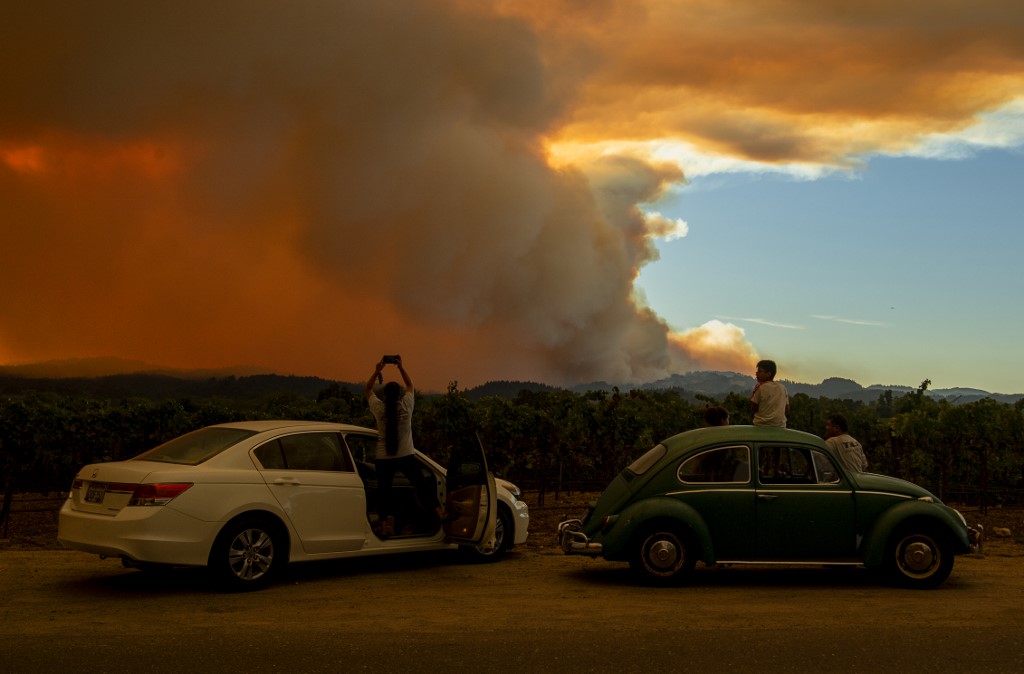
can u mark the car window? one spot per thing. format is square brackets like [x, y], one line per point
[644, 463]
[195, 447]
[305, 451]
[787, 465]
[270, 456]
[719, 465]
[362, 446]
[827, 473]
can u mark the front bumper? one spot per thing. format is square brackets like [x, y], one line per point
[976, 537]
[573, 541]
[521, 525]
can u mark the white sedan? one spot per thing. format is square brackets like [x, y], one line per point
[246, 498]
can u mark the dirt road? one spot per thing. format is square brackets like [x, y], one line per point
[538, 610]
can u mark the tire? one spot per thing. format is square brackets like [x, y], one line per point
[663, 554]
[504, 538]
[248, 553]
[919, 557]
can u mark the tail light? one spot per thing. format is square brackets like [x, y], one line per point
[157, 494]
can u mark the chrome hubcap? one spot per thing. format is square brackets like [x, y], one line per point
[663, 554]
[918, 557]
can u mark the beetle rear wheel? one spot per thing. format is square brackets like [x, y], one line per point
[663, 555]
[920, 558]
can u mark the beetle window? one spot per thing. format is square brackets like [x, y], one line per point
[786, 465]
[729, 465]
[827, 473]
[644, 463]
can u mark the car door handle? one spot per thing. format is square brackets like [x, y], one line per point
[767, 497]
[291, 481]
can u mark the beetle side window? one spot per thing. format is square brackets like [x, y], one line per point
[729, 465]
[789, 465]
[827, 473]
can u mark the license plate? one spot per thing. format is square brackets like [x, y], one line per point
[95, 493]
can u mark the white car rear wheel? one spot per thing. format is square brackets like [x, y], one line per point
[248, 553]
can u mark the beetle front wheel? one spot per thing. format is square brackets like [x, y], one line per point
[663, 555]
[920, 558]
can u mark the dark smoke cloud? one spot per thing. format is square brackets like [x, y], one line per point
[308, 185]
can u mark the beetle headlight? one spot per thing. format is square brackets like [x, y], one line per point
[961, 516]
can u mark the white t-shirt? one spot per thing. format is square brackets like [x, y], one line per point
[849, 452]
[378, 407]
[771, 398]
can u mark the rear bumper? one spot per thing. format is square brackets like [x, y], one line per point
[154, 534]
[573, 541]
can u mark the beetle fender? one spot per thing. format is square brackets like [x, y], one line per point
[920, 513]
[616, 539]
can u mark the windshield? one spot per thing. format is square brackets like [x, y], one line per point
[195, 447]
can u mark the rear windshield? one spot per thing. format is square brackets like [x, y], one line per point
[644, 463]
[195, 447]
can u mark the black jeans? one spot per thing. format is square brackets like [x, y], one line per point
[410, 466]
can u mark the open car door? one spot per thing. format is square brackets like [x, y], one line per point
[470, 496]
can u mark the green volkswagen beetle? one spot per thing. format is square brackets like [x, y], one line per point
[759, 495]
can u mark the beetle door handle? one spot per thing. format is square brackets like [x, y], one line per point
[767, 497]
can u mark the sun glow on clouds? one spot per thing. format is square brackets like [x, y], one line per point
[718, 346]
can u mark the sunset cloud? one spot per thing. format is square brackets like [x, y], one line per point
[305, 186]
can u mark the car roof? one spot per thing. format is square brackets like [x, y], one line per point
[264, 425]
[718, 434]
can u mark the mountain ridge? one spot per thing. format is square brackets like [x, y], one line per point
[124, 377]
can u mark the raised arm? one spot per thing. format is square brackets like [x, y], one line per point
[405, 375]
[368, 391]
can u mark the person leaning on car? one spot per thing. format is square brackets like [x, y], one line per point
[394, 452]
[842, 443]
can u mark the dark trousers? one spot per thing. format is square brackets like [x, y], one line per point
[410, 466]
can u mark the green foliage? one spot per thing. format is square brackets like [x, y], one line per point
[539, 437]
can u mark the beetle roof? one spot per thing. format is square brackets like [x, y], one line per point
[717, 434]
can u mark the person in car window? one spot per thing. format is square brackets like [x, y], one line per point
[394, 452]
[849, 451]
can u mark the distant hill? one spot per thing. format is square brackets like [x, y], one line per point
[117, 378]
[158, 386]
[721, 384]
[87, 368]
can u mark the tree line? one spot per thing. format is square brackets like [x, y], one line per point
[540, 438]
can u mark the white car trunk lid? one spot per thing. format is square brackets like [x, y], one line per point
[106, 488]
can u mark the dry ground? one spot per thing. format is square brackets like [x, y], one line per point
[33, 523]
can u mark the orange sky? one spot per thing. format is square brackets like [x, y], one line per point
[306, 186]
